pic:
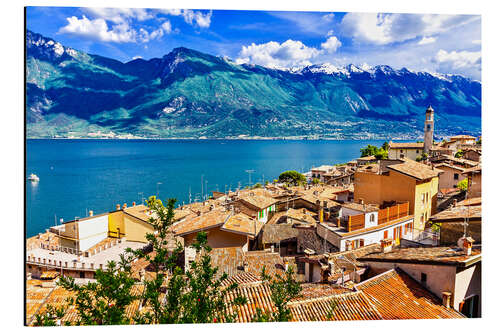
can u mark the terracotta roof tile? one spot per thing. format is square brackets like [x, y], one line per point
[443, 255]
[406, 145]
[242, 224]
[457, 213]
[274, 233]
[414, 169]
[397, 296]
[259, 201]
[211, 219]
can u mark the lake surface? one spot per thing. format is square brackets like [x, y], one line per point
[81, 175]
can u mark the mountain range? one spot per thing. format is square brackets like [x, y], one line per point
[190, 94]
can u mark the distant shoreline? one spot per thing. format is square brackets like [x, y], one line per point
[229, 139]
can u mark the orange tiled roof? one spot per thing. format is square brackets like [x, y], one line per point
[396, 295]
[361, 207]
[470, 202]
[349, 305]
[443, 255]
[457, 213]
[414, 169]
[240, 223]
[458, 137]
[406, 145]
[140, 211]
[477, 168]
[259, 201]
[346, 306]
[211, 219]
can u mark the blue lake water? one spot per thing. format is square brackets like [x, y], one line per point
[81, 175]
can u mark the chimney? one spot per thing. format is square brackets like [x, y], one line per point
[133, 203]
[324, 273]
[117, 206]
[124, 205]
[386, 245]
[446, 299]
[198, 212]
[91, 213]
[454, 202]
[465, 243]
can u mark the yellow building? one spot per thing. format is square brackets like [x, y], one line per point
[410, 150]
[400, 181]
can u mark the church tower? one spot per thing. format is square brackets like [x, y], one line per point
[429, 129]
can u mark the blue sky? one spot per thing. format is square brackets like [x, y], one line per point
[431, 42]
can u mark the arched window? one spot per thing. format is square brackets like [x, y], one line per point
[372, 218]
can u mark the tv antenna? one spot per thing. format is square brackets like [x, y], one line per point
[249, 176]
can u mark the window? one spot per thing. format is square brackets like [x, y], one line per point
[401, 151]
[455, 176]
[422, 218]
[423, 278]
[386, 234]
[402, 155]
[372, 218]
[423, 197]
[82, 275]
[417, 151]
[428, 127]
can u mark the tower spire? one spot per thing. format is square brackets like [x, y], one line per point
[429, 129]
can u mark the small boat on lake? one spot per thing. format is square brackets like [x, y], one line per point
[33, 178]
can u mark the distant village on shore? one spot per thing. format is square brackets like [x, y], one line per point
[394, 234]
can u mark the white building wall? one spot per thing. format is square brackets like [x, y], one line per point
[92, 231]
[467, 283]
[376, 236]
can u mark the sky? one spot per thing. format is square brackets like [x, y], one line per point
[449, 44]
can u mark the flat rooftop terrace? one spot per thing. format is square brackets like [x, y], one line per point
[49, 258]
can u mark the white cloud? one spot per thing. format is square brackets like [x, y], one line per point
[383, 29]
[427, 40]
[136, 57]
[458, 60]
[119, 15]
[191, 17]
[287, 54]
[98, 29]
[331, 45]
[328, 17]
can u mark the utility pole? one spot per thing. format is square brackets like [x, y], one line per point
[189, 194]
[249, 176]
[158, 189]
[202, 187]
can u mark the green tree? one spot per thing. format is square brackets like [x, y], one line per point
[463, 185]
[283, 290]
[257, 185]
[369, 150]
[104, 301]
[52, 316]
[292, 177]
[379, 153]
[422, 157]
[316, 181]
[459, 153]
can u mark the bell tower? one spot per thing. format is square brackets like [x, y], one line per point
[429, 129]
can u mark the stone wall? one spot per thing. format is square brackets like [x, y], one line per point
[309, 239]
